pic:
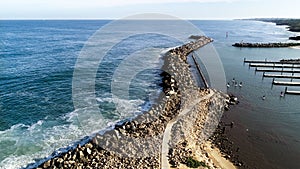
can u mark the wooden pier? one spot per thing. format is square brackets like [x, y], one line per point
[281, 76]
[291, 92]
[271, 62]
[274, 66]
[277, 70]
[284, 83]
[262, 61]
[289, 68]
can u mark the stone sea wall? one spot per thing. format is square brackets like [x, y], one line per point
[265, 45]
[137, 143]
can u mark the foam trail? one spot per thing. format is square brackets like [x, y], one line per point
[29, 142]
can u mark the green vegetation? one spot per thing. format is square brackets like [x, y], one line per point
[192, 163]
[294, 24]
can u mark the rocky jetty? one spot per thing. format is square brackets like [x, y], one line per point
[137, 143]
[294, 38]
[195, 37]
[221, 140]
[265, 45]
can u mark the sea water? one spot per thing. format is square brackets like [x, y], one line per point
[272, 125]
[37, 60]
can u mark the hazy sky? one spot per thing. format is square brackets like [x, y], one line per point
[111, 9]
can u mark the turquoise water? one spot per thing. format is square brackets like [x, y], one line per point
[37, 60]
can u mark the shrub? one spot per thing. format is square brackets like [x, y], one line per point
[192, 163]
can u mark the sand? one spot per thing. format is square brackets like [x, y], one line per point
[217, 157]
[295, 47]
[214, 157]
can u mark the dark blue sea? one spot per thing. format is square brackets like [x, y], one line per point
[39, 112]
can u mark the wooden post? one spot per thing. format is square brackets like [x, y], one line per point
[272, 83]
[285, 91]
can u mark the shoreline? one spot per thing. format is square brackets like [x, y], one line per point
[242, 142]
[291, 23]
[138, 142]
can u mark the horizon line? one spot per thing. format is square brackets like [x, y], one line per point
[117, 19]
[243, 18]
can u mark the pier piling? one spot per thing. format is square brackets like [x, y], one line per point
[292, 66]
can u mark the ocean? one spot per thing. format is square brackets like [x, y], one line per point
[38, 114]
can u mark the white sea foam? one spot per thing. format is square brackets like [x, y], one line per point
[36, 141]
[42, 138]
[48, 135]
[32, 127]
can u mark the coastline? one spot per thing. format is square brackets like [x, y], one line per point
[137, 143]
[292, 24]
[236, 144]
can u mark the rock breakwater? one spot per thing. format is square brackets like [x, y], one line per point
[137, 143]
[265, 45]
[294, 38]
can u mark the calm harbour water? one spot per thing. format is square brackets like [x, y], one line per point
[37, 60]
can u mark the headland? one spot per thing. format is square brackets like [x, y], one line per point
[293, 25]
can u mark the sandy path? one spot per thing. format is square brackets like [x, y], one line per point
[167, 134]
